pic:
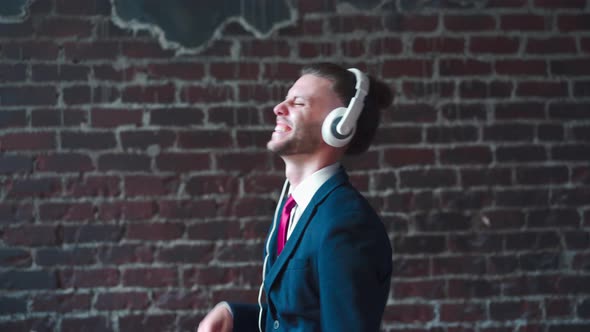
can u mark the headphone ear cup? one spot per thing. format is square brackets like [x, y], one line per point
[329, 132]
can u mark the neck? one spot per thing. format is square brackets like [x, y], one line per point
[297, 168]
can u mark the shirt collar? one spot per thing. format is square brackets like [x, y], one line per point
[308, 187]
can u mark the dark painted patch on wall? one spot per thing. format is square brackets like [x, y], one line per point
[12, 7]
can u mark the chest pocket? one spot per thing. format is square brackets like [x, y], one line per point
[298, 289]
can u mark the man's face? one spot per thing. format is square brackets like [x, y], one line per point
[300, 116]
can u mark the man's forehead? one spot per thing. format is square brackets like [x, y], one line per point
[309, 85]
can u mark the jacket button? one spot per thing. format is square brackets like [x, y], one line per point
[276, 325]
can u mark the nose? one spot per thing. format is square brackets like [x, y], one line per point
[280, 108]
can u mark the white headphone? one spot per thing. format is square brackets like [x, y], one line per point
[340, 124]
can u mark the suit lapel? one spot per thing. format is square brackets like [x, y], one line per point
[278, 263]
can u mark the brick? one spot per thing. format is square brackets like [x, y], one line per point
[92, 7]
[519, 110]
[249, 138]
[112, 301]
[64, 162]
[209, 94]
[476, 243]
[244, 161]
[569, 110]
[176, 70]
[12, 305]
[123, 162]
[13, 30]
[14, 164]
[28, 95]
[470, 23]
[524, 22]
[577, 240]
[89, 278]
[466, 155]
[558, 217]
[573, 22]
[82, 52]
[407, 68]
[183, 162]
[137, 49]
[176, 116]
[186, 254]
[15, 119]
[201, 139]
[411, 113]
[264, 48]
[94, 324]
[522, 197]
[147, 323]
[187, 210]
[211, 184]
[225, 229]
[542, 175]
[70, 211]
[568, 67]
[144, 139]
[567, 327]
[411, 22]
[77, 95]
[75, 257]
[46, 118]
[94, 186]
[125, 253]
[577, 196]
[384, 46]
[248, 92]
[92, 233]
[483, 90]
[427, 178]
[511, 310]
[180, 299]
[129, 210]
[353, 48]
[239, 252]
[548, 4]
[552, 45]
[62, 303]
[28, 141]
[354, 23]
[15, 257]
[400, 157]
[12, 73]
[509, 132]
[581, 133]
[141, 185]
[41, 187]
[464, 67]
[571, 152]
[470, 289]
[30, 50]
[155, 231]
[408, 313]
[88, 140]
[438, 45]
[557, 308]
[111, 118]
[485, 176]
[452, 134]
[461, 111]
[419, 90]
[27, 280]
[505, 219]
[466, 265]
[60, 27]
[150, 277]
[253, 207]
[159, 94]
[235, 71]
[521, 67]
[442, 222]
[524, 153]
[308, 50]
[544, 89]
[502, 265]
[16, 212]
[419, 244]
[539, 262]
[530, 285]
[494, 45]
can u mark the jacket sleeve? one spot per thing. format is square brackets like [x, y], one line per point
[354, 263]
[246, 317]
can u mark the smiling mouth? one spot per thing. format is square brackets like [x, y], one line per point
[280, 128]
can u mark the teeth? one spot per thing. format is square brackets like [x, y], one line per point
[281, 128]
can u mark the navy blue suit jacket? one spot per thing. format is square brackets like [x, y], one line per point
[334, 272]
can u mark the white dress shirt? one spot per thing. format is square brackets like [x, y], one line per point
[305, 191]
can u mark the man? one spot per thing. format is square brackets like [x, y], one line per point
[333, 272]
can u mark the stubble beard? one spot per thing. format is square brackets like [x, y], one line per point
[300, 141]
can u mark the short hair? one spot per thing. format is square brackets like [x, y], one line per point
[378, 97]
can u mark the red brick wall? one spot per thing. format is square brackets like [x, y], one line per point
[136, 190]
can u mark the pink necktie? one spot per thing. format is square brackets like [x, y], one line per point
[284, 224]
